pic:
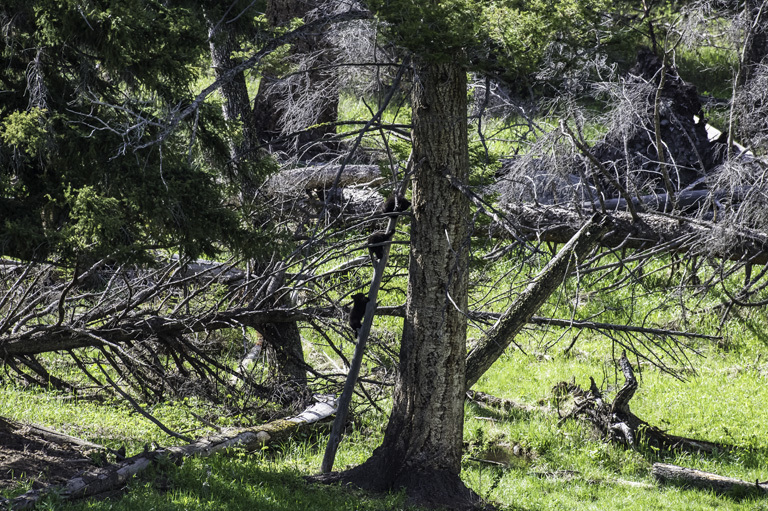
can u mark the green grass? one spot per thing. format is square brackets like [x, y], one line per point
[545, 463]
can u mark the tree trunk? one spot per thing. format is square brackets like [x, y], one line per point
[283, 338]
[692, 478]
[237, 106]
[756, 43]
[319, 77]
[422, 446]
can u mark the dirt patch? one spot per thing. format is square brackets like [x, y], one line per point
[29, 455]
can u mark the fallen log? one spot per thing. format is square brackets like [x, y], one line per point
[322, 176]
[692, 478]
[47, 338]
[100, 480]
[504, 405]
[558, 224]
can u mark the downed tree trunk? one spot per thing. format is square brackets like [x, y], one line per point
[45, 338]
[94, 482]
[505, 405]
[558, 224]
[308, 178]
[492, 345]
[686, 201]
[665, 473]
[617, 423]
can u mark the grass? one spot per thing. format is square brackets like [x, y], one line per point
[540, 462]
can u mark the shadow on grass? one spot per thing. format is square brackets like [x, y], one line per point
[500, 415]
[236, 482]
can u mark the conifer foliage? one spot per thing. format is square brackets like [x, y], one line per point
[86, 170]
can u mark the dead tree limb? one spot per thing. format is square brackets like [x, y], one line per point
[309, 178]
[46, 338]
[94, 482]
[357, 359]
[689, 477]
[493, 344]
[617, 423]
[558, 224]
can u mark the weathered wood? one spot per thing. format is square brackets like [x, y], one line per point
[357, 359]
[492, 345]
[309, 178]
[45, 338]
[617, 423]
[557, 224]
[502, 404]
[689, 477]
[55, 436]
[625, 393]
[94, 482]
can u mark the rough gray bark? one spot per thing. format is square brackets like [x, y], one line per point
[422, 446]
[424, 435]
[284, 339]
[492, 345]
[237, 105]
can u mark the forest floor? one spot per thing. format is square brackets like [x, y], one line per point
[31, 459]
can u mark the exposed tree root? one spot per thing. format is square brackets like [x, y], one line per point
[617, 423]
[432, 489]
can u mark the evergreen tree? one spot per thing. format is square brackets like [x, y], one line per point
[87, 166]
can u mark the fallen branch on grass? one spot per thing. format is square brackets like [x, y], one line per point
[97, 481]
[617, 423]
[665, 474]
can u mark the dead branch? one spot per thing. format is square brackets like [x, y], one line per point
[115, 476]
[617, 423]
[689, 477]
[322, 177]
[493, 344]
[558, 224]
[354, 369]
